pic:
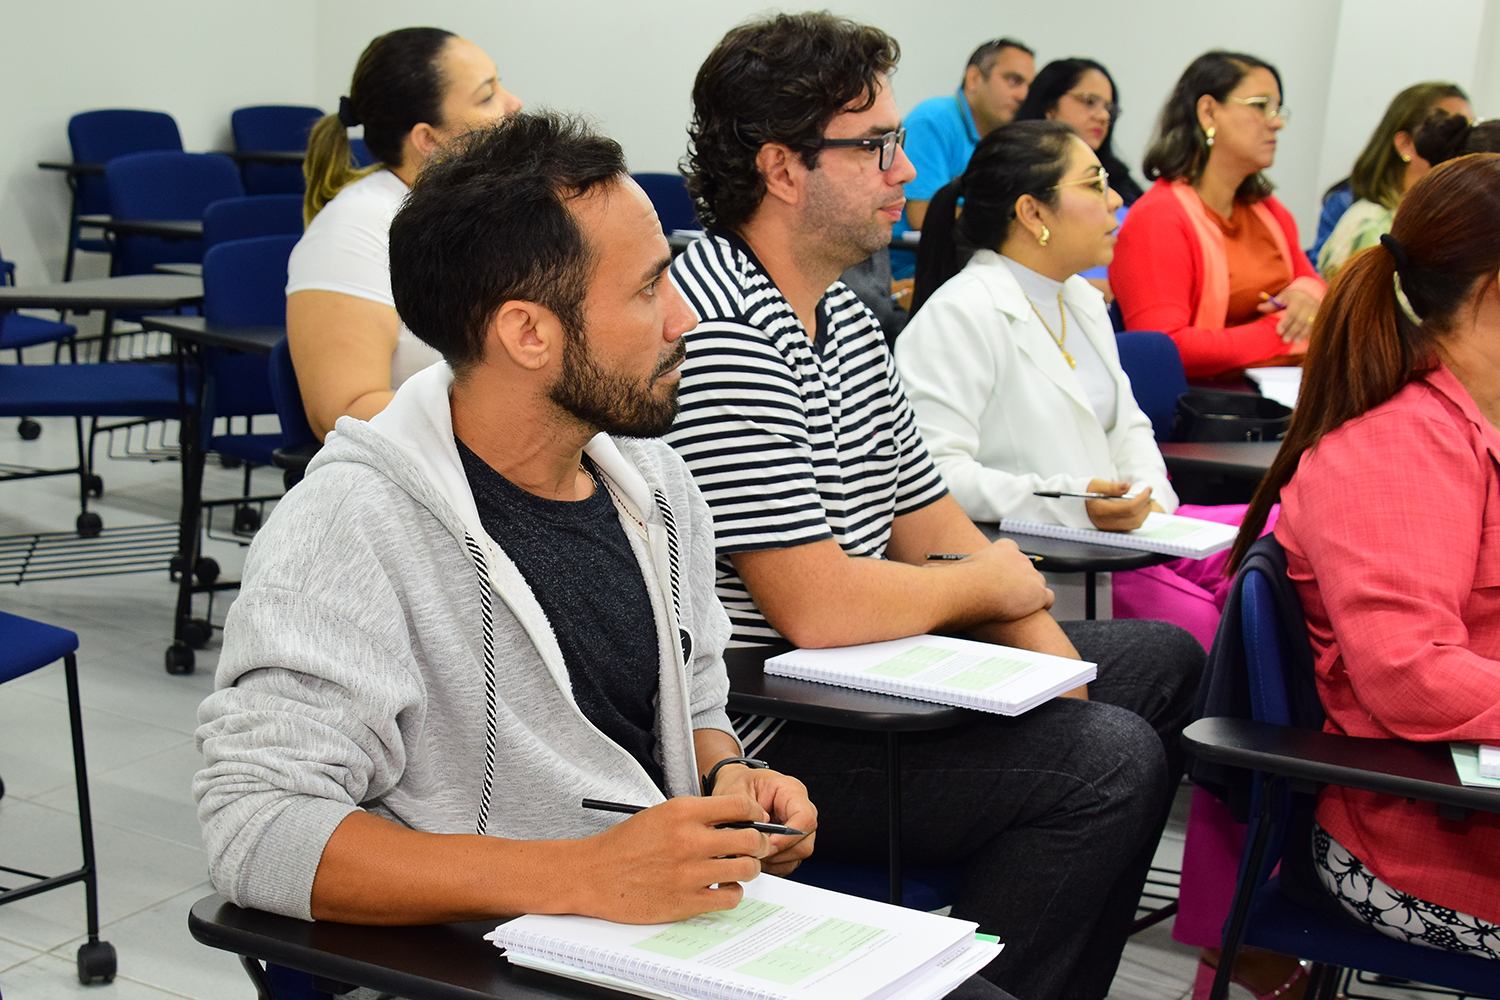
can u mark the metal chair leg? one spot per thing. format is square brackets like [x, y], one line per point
[1234, 934]
[96, 958]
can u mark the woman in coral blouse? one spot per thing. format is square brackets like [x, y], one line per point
[1207, 255]
[1401, 584]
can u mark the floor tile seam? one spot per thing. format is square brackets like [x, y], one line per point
[187, 734]
[94, 773]
[119, 826]
[35, 954]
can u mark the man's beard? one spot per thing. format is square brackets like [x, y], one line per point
[844, 237]
[612, 403]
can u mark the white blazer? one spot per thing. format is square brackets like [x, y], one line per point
[1004, 414]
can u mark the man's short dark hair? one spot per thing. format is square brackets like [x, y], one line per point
[781, 79]
[488, 222]
[988, 54]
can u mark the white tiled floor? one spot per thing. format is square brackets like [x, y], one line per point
[139, 723]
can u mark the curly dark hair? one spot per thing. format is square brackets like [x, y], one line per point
[780, 79]
[1179, 150]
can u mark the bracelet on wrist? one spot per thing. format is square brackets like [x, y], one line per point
[713, 772]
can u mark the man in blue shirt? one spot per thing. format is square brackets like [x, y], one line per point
[941, 132]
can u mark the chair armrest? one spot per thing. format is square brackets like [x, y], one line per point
[297, 457]
[1395, 767]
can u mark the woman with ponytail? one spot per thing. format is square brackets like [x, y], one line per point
[414, 90]
[1389, 484]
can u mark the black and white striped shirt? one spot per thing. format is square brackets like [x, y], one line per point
[790, 440]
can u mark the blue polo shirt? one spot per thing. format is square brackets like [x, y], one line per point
[940, 138]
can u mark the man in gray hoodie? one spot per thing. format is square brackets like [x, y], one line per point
[496, 598]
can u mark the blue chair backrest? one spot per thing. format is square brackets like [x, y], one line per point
[279, 127]
[272, 126]
[669, 194]
[169, 184]
[100, 136]
[1266, 651]
[1151, 361]
[295, 430]
[251, 216]
[362, 154]
[244, 281]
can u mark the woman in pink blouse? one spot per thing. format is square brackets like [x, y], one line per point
[1389, 482]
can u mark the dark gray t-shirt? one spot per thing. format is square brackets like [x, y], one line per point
[577, 561]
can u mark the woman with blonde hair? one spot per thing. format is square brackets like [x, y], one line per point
[1387, 168]
[414, 90]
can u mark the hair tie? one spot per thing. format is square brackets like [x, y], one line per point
[1398, 252]
[347, 117]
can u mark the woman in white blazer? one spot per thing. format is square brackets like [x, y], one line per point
[1012, 369]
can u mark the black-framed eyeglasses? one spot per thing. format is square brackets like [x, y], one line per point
[886, 143]
[1093, 102]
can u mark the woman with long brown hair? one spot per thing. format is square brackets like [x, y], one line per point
[414, 90]
[1389, 483]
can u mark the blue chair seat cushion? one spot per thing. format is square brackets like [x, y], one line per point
[255, 448]
[30, 645]
[1281, 924]
[17, 330]
[92, 390]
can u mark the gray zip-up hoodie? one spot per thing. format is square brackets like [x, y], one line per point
[385, 654]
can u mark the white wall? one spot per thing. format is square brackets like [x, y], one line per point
[630, 64]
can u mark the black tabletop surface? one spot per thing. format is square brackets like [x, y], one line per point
[280, 157]
[167, 229]
[191, 270]
[249, 339]
[753, 692]
[438, 962]
[135, 291]
[1220, 456]
[1061, 556]
[92, 169]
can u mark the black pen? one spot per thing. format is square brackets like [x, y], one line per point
[1054, 494]
[956, 556]
[776, 828]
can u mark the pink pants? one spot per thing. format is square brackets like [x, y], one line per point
[1191, 593]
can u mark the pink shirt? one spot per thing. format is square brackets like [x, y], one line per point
[1392, 530]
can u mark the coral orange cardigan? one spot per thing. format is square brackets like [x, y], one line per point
[1171, 274]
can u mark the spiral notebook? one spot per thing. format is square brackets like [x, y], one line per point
[784, 941]
[1166, 534]
[941, 669]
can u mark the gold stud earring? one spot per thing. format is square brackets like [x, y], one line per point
[1405, 158]
[1208, 135]
[1046, 235]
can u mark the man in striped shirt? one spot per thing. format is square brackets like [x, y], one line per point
[826, 503]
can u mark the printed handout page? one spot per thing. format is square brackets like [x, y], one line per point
[784, 939]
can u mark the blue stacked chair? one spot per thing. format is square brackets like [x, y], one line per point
[165, 186]
[255, 215]
[298, 442]
[1156, 376]
[25, 647]
[273, 128]
[18, 331]
[98, 137]
[1278, 904]
[669, 195]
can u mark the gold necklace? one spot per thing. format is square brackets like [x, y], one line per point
[1059, 341]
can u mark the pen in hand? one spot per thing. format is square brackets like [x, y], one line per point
[773, 828]
[1054, 494]
[958, 556]
[1265, 297]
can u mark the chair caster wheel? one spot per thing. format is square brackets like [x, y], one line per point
[29, 429]
[180, 658]
[94, 485]
[205, 571]
[246, 520]
[196, 633]
[2, 788]
[89, 524]
[96, 962]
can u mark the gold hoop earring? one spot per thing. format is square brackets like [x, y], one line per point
[1046, 235]
[1208, 135]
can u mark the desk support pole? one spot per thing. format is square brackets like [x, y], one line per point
[1090, 601]
[893, 810]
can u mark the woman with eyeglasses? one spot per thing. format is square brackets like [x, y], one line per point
[1208, 255]
[1081, 93]
[1012, 369]
[1386, 169]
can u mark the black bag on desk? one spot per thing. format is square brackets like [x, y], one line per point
[1216, 415]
